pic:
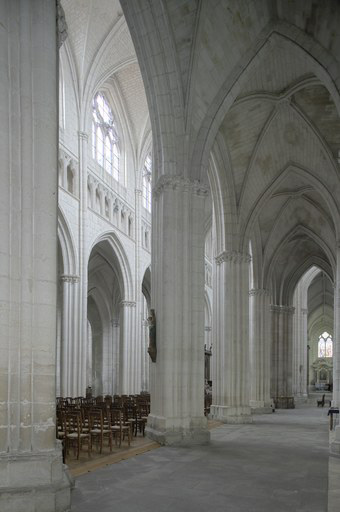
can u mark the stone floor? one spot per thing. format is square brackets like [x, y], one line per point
[279, 463]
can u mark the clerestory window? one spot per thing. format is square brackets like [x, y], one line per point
[105, 140]
[147, 175]
[325, 345]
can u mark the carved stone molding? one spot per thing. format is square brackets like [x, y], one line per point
[169, 182]
[258, 292]
[233, 257]
[138, 192]
[282, 309]
[61, 25]
[128, 304]
[83, 135]
[69, 278]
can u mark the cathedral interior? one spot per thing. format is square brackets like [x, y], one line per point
[169, 215]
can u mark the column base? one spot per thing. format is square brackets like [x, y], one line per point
[284, 402]
[177, 432]
[260, 407]
[228, 414]
[34, 482]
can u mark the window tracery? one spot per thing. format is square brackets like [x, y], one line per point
[105, 140]
[325, 345]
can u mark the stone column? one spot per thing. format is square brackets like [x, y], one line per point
[31, 470]
[139, 355]
[282, 344]
[300, 352]
[177, 377]
[115, 362]
[68, 379]
[231, 385]
[260, 350]
[129, 370]
[81, 339]
[336, 338]
[145, 355]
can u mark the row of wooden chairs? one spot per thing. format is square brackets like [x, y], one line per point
[85, 421]
[79, 427]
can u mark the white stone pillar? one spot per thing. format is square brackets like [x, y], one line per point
[231, 385]
[139, 356]
[336, 338]
[80, 348]
[335, 446]
[177, 377]
[145, 355]
[31, 471]
[116, 362]
[300, 351]
[69, 336]
[130, 370]
[282, 359]
[260, 350]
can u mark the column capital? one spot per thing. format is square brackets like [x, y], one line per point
[69, 278]
[83, 135]
[172, 182]
[128, 304]
[304, 311]
[258, 292]
[233, 257]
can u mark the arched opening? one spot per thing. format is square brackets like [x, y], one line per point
[105, 294]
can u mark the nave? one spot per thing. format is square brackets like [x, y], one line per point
[277, 463]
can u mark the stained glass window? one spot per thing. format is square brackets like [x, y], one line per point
[325, 345]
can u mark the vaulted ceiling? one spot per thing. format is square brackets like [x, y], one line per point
[101, 54]
[282, 137]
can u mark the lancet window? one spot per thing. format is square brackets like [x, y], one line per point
[105, 140]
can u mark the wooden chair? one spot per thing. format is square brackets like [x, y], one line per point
[98, 430]
[74, 434]
[119, 430]
[142, 416]
[130, 416]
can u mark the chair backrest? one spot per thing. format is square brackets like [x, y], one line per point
[72, 422]
[96, 419]
[116, 417]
